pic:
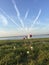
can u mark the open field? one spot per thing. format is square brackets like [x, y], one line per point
[24, 52]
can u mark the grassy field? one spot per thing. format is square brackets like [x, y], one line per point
[24, 52]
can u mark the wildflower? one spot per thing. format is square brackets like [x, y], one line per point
[31, 48]
[27, 52]
[14, 47]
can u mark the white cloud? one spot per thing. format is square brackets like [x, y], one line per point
[3, 12]
[3, 20]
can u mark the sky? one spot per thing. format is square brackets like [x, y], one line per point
[21, 17]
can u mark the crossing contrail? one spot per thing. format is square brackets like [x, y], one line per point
[18, 13]
[26, 15]
[9, 17]
[36, 18]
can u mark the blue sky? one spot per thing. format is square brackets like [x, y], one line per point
[20, 17]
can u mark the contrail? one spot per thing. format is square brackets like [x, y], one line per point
[36, 18]
[26, 15]
[18, 13]
[9, 17]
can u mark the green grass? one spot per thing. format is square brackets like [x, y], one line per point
[14, 52]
